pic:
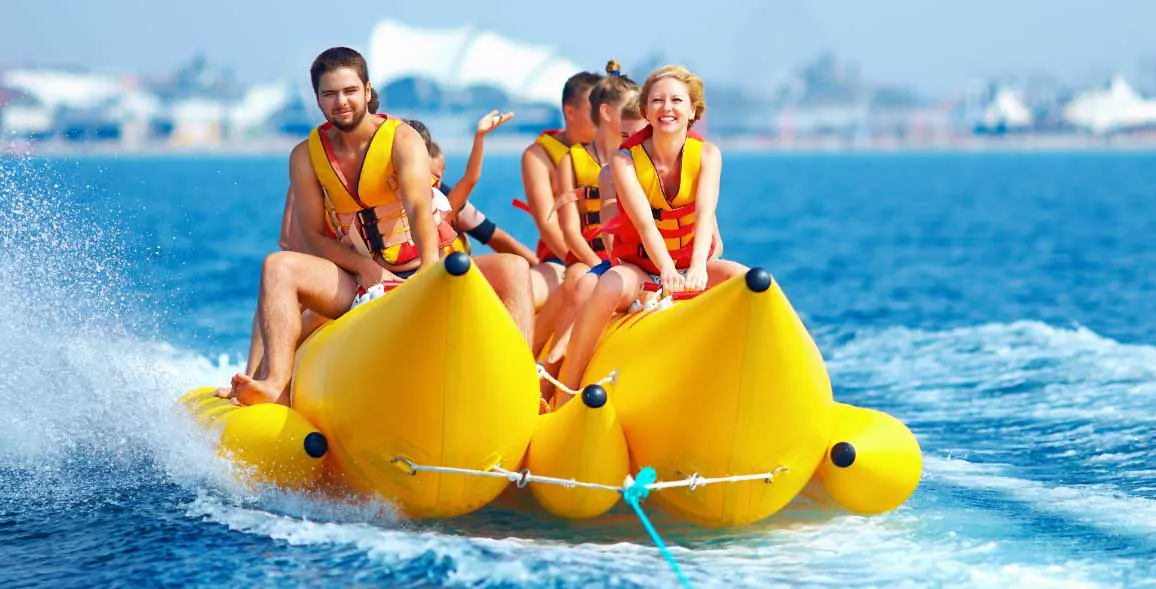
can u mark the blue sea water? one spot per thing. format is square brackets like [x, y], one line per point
[1001, 305]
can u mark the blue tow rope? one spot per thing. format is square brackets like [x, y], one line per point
[637, 492]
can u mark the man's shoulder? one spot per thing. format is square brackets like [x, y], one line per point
[300, 150]
[536, 151]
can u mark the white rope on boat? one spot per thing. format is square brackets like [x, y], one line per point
[524, 477]
[632, 490]
[695, 481]
[611, 378]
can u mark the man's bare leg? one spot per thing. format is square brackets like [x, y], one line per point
[310, 322]
[256, 355]
[509, 276]
[256, 347]
[578, 291]
[290, 280]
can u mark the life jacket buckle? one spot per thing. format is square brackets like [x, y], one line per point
[370, 232]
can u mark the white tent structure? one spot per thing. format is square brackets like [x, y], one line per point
[258, 105]
[1006, 110]
[64, 89]
[459, 58]
[1115, 108]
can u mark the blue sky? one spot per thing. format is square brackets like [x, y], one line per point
[934, 46]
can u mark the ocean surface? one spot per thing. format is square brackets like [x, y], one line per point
[1001, 305]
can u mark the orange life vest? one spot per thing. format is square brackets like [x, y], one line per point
[674, 215]
[370, 218]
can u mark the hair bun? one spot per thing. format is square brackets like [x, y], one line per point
[613, 68]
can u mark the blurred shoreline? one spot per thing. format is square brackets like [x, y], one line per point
[508, 144]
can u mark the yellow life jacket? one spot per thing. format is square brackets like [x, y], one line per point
[674, 215]
[555, 149]
[370, 217]
[586, 170]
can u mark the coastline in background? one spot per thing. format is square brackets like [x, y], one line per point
[507, 144]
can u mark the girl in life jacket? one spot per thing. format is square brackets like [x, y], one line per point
[614, 110]
[666, 180]
[467, 219]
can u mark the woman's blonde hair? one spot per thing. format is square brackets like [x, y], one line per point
[693, 86]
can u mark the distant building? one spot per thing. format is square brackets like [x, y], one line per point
[830, 99]
[994, 109]
[255, 114]
[23, 116]
[197, 122]
[136, 111]
[1116, 108]
[71, 103]
[458, 74]
[199, 79]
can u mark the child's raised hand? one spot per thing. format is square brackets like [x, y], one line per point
[492, 120]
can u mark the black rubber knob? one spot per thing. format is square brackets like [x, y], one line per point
[594, 396]
[758, 280]
[457, 263]
[843, 454]
[316, 445]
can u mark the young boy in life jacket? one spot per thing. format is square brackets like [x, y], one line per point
[540, 182]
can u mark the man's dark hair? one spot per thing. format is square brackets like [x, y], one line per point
[335, 58]
[578, 84]
[374, 103]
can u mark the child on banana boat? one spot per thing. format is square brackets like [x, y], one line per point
[469, 220]
[540, 182]
[466, 217]
[666, 179]
[614, 110]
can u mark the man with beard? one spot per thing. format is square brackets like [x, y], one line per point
[365, 208]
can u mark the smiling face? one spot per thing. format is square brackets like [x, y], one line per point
[669, 108]
[343, 98]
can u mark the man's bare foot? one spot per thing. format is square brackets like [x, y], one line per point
[250, 391]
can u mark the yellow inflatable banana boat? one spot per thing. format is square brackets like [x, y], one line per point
[272, 444]
[417, 396]
[435, 373]
[728, 385]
